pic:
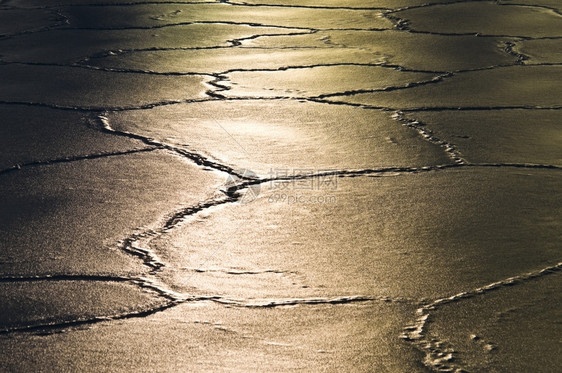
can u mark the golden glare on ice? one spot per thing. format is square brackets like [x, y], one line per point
[280, 185]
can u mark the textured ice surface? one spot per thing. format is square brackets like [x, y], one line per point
[316, 81]
[540, 51]
[61, 218]
[390, 4]
[484, 17]
[29, 304]
[502, 136]
[400, 48]
[208, 337]
[434, 215]
[516, 327]
[32, 47]
[223, 60]
[53, 135]
[515, 86]
[58, 3]
[15, 21]
[552, 4]
[153, 16]
[264, 136]
[461, 229]
[77, 87]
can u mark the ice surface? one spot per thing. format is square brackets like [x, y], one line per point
[408, 213]
[64, 218]
[503, 136]
[317, 81]
[223, 60]
[34, 304]
[486, 18]
[206, 337]
[77, 87]
[515, 86]
[53, 134]
[516, 327]
[542, 51]
[284, 135]
[400, 48]
[85, 43]
[389, 4]
[15, 21]
[552, 4]
[58, 3]
[158, 15]
[461, 229]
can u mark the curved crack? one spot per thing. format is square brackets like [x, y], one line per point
[18, 167]
[435, 356]
[245, 4]
[197, 158]
[402, 24]
[64, 277]
[136, 244]
[449, 148]
[434, 80]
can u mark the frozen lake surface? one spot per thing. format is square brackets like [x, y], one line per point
[280, 185]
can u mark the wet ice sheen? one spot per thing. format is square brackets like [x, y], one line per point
[442, 212]
[24, 304]
[516, 327]
[484, 17]
[209, 337]
[316, 81]
[77, 87]
[540, 51]
[14, 21]
[514, 86]
[31, 47]
[162, 15]
[52, 135]
[223, 60]
[57, 3]
[463, 228]
[56, 221]
[263, 136]
[390, 4]
[503, 136]
[403, 49]
[552, 4]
